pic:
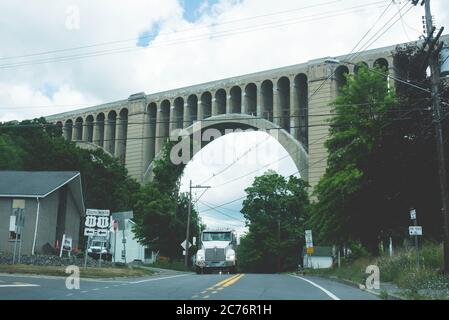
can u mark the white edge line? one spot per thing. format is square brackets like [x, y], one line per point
[18, 285]
[330, 294]
[155, 279]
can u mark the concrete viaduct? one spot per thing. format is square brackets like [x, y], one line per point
[293, 100]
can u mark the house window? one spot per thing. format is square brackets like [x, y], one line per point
[17, 219]
[13, 235]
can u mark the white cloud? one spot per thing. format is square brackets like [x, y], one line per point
[39, 26]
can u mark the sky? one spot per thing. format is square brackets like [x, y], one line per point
[63, 55]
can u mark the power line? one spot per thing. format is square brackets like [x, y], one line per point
[225, 214]
[167, 33]
[207, 36]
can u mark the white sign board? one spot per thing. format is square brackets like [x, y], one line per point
[183, 244]
[97, 212]
[415, 230]
[97, 223]
[413, 214]
[309, 240]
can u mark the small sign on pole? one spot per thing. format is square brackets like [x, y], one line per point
[413, 214]
[415, 230]
[66, 245]
[183, 244]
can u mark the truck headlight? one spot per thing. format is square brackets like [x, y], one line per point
[200, 255]
[230, 255]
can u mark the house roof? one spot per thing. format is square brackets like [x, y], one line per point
[40, 184]
[33, 183]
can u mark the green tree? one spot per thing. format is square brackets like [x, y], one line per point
[275, 210]
[349, 202]
[161, 211]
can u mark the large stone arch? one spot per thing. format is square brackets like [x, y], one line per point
[241, 121]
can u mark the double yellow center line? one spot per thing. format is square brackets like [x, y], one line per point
[220, 285]
[227, 282]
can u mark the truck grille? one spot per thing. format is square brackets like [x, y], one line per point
[215, 254]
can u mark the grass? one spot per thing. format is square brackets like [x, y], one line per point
[177, 265]
[426, 283]
[89, 272]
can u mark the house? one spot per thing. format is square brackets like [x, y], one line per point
[134, 250]
[37, 208]
[321, 258]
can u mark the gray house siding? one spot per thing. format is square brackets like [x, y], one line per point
[46, 225]
[72, 221]
[47, 221]
[28, 230]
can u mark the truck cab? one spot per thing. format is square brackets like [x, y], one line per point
[217, 251]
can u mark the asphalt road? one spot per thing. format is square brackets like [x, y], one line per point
[182, 286]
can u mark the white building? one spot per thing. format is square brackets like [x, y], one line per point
[134, 250]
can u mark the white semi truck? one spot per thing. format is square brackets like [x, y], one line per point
[217, 251]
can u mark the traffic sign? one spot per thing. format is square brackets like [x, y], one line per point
[309, 240]
[415, 230]
[413, 214]
[183, 244]
[310, 250]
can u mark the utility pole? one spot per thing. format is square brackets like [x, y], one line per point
[436, 106]
[186, 258]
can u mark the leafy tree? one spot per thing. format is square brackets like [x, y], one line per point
[382, 158]
[349, 201]
[35, 145]
[275, 210]
[161, 211]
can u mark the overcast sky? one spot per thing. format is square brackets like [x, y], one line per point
[146, 45]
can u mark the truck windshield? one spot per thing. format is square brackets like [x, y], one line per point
[98, 244]
[217, 236]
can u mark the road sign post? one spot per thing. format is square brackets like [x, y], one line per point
[415, 231]
[309, 247]
[97, 224]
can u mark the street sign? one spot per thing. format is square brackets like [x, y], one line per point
[66, 244]
[121, 218]
[309, 240]
[183, 244]
[97, 223]
[122, 215]
[98, 212]
[310, 250]
[413, 214]
[415, 230]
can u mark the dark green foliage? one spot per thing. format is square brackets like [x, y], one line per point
[35, 145]
[382, 159]
[276, 209]
[161, 211]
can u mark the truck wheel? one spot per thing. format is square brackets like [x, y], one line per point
[198, 270]
[233, 270]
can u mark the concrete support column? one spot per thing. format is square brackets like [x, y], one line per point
[109, 136]
[186, 115]
[277, 112]
[200, 110]
[65, 132]
[229, 103]
[96, 139]
[173, 119]
[214, 106]
[134, 142]
[244, 102]
[161, 130]
[294, 114]
[85, 131]
[149, 140]
[259, 101]
[119, 140]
